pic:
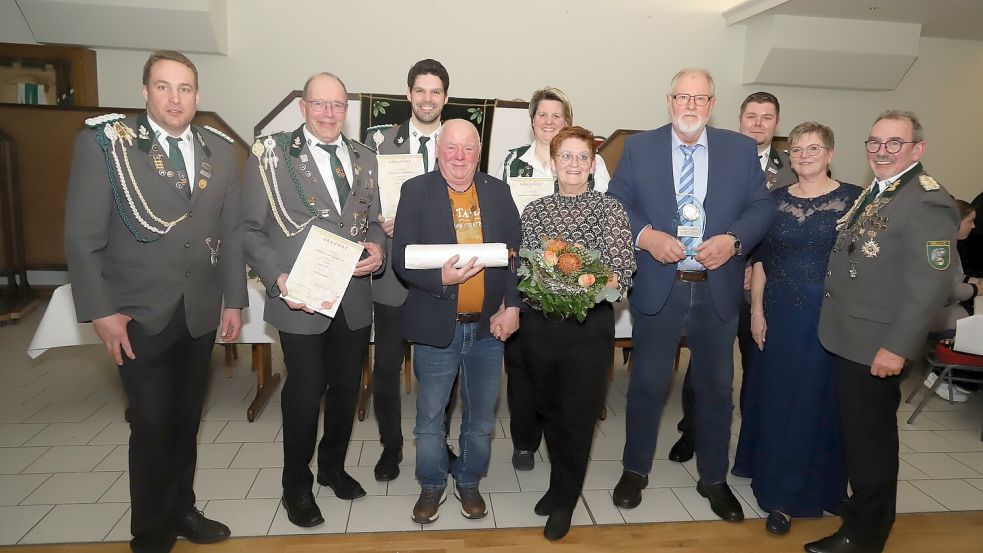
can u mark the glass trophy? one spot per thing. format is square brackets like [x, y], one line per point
[691, 219]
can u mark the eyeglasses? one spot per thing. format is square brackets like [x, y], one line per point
[320, 105]
[893, 146]
[683, 99]
[567, 158]
[811, 149]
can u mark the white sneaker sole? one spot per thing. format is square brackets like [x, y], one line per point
[436, 514]
[465, 513]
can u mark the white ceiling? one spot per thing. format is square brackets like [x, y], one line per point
[958, 19]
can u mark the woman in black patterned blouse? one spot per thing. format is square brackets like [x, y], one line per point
[568, 360]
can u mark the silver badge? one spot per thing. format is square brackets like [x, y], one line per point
[214, 255]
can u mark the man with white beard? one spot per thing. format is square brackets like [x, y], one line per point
[696, 199]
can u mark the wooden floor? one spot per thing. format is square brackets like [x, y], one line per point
[922, 533]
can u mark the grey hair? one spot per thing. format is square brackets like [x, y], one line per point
[692, 71]
[917, 132]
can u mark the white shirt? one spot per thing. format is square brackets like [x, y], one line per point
[415, 135]
[601, 175]
[763, 158]
[323, 161]
[882, 184]
[701, 168]
[187, 146]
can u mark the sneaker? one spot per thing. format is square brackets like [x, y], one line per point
[425, 510]
[958, 395]
[472, 504]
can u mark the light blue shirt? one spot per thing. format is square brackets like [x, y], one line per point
[701, 165]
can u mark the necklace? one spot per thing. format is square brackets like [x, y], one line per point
[472, 196]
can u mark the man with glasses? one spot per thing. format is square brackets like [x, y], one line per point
[315, 176]
[427, 84]
[696, 197]
[758, 120]
[888, 274]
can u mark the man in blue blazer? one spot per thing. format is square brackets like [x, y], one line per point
[664, 176]
[459, 318]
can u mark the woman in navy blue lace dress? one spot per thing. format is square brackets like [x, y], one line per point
[790, 443]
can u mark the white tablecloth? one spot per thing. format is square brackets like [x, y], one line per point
[59, 329]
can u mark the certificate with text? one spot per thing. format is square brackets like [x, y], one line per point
[526, 190]
[394, 170]
[322, 270]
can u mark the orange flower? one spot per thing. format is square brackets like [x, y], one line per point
[568, 263]
[586, 280]
[550, 258]
[556, 245]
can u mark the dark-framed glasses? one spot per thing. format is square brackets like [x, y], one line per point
[683, 99]
[892, 146]
[810, 150]
[320, 105]
[568, 158]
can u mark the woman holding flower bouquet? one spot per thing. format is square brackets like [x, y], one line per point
[578, 257]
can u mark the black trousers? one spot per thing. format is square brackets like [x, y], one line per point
[746, 345]
[568, 362]
[327, 365]
[868, 407]
[165, 387]
[390, 351]
[525, 425]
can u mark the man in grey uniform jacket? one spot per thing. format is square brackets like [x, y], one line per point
[315, 176]
[889, 274]
[153, 240]
[427, 84]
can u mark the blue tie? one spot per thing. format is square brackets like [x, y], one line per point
[686, 189]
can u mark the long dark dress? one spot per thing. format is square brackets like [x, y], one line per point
[790, 442]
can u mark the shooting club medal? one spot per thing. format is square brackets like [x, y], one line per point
[690, 222]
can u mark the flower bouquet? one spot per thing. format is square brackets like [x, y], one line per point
[564, 279]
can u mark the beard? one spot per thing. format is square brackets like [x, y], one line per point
[686, 125]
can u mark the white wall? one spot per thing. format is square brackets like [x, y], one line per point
[613, 58]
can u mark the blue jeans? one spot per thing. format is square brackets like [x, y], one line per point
[711, 343]
[480, 363]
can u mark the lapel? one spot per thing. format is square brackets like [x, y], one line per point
[310, 179]
[361, 180]
[480, 187]
[773, 168]
[716, 169]
[158, 163]
[441, 203]
[401, 140]
[665, 195]
[203, 167]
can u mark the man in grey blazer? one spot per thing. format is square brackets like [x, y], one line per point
[758, 120]
[427, 84]
[889, 272]
[153, 240]
[315, 175]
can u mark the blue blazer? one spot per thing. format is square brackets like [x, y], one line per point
[737, 201]
[424, 217]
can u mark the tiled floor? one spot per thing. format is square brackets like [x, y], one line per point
[63, 459]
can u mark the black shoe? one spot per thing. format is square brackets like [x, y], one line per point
[722, 501]
[557, 525]
[681, 451]
[302, 510]
[628, 492]
[778, 523]
[197, 529]
[388, 466]
[523, 459]
[343, 485]
[837, 544]
[451, 456]
[545, 505]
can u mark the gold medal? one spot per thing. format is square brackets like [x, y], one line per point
[202, 184]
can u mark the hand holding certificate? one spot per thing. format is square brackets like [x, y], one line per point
[322, 271]
[394, 170]
[526, 190]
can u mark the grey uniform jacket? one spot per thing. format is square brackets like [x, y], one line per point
[885, 290]
[116, 264]
[778, 170]
[387, 289]
[270, 252]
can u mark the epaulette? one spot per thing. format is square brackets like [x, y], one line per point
[100, 120]
[362, 144]
[928, 183]
[219, 133]
[379, 127]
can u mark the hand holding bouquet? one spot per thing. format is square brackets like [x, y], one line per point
[564, 279]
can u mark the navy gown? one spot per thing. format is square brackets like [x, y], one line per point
[790, 444]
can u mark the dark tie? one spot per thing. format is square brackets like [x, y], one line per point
[423, 151]
[177, 160]
[340, 178]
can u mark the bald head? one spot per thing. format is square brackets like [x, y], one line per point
[458, 150]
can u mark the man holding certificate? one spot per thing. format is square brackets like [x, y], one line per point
[405, 150]
[458, 315]
[311, 203]
[696, 199]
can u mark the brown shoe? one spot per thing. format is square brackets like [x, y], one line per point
[425, 510]
[472, 504]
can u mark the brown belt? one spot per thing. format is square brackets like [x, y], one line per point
[468, 317]
[691, 276]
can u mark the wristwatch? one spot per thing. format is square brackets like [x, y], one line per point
[737, 243]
